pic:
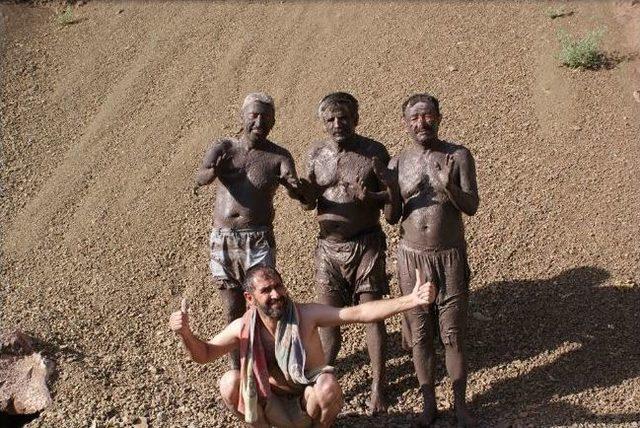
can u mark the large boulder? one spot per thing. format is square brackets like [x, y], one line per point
[24, 374]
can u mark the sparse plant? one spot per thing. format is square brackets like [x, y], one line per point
[67, 17]
[581, 53]
[556, 12]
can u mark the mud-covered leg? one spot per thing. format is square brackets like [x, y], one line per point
[377, 347]
[424, 360]
[235, 306]
[452, 329]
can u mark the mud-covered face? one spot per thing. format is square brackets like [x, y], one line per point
[269, 296]
[257, 120]
[339, 123]
[421, 121]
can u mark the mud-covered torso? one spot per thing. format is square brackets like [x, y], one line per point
[429, 219]
[248, 182]
[337, 172]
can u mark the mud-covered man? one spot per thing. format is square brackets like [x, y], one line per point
[350, 185]
[283, 379]
[437, 181]
[249, 170]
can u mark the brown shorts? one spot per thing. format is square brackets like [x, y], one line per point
[347, 269]
[449, 270]
[234, 251]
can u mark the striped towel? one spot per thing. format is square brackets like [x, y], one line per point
[290, 355]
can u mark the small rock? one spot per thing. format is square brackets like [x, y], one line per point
[481, 317]
[140, 422]
[636, 96]
[576, 128]
[452, 68]
[120, 11]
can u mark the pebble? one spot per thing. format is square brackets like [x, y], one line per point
[636, 96]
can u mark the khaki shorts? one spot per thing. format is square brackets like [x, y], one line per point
[234, 251]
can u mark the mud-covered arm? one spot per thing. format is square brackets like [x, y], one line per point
[465, 194]
[393, 204]
[309, 186]
[289, 179]
[207, 172]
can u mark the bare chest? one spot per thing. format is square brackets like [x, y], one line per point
[417, 173]
[259, 169]
[341, 168]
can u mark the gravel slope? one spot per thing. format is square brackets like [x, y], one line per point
[105, 121]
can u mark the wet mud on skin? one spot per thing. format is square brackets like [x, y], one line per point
[105, 122]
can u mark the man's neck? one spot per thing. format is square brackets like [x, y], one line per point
[345, 144]
[427, 145]
[269, 323]
[248, 144]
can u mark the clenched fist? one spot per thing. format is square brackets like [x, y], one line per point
[426, 292]
[179, 320]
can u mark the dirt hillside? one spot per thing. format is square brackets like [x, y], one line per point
[105, 121]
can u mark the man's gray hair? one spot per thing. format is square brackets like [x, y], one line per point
[335, 99]
[259, 97]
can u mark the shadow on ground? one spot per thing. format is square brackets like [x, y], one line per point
[549, 338]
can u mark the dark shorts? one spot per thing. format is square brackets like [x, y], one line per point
[347, 269]
[234, 251]
[449, 270]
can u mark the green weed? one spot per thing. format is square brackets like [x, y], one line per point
[67, 17]
[581, 53]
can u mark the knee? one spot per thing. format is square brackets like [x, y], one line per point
[452, 338]
[230, 387]
[328, 391]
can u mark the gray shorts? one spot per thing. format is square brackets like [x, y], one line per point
[234, 251]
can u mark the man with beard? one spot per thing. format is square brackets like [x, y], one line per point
[350, 184]
[249, 170]
[437, 182]
[283, 379]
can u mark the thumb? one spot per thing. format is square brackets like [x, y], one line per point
[184, 305]
[418, 280]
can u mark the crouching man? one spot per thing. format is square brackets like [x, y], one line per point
[283, 380]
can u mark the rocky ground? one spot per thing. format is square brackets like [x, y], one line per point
[104, 122]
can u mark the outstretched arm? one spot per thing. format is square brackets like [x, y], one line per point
[329, 316]
[204, 352]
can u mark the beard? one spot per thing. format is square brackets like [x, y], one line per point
[274, 309]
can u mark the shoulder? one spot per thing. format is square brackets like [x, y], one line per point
[235, 327]
[374, 148]
[278, 150]
[458, 151]
[221, 145]
[316, 148]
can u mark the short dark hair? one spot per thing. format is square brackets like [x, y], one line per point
[259, 270]
[338, 99]
[423, 97]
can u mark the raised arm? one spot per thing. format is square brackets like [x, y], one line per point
[329, 316]
[388, 176]
[207, 172]
[309, 186]
[289, 179]
[465, 195]
[200, 351]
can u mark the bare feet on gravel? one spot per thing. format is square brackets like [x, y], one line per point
[430, 412]
[463, 416]
[377, 401]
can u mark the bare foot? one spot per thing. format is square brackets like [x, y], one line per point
[377, 401]
[463, 415]
[430, 412]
